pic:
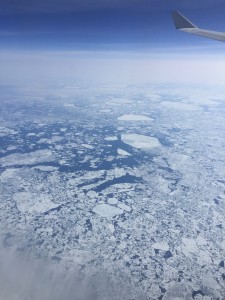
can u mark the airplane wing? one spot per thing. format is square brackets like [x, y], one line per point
[185, 25]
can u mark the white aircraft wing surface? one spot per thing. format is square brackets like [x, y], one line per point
[184, 24]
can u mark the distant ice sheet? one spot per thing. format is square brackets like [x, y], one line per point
[140, 141]
[134, 118]
[36, 157]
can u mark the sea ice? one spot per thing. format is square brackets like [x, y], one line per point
[140, 141]
[31, 158]
[33, 203]
[124, 207]
[181, 105]
[111, 138]
[123, 152]
[134, 118]
[8, 174]
[87, 146]
[161, 246]
[107, 211]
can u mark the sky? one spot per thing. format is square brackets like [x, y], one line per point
[40, 37]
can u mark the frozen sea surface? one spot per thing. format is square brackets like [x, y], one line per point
[140, 141]
[121, 188]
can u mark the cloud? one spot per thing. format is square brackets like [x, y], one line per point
[194, 66]
[34, 279]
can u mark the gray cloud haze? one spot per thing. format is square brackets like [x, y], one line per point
[23, 278]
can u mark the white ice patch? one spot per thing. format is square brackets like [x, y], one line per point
[7, 175]
[123, 152]
[210, 282]
[87, 146]
[43, 141]
[140, 141]
[33, 203]
[134, 118]
[69, 105]
[10, 148]
[111, 228]
[107, 211]
[112, 201]
[105, 110]
[161, 246]
[190, 245]
[119, 101]
[111, 138]
[124, 207]
[46, 168]
[36, 157]
[180, 105]
[4, 131]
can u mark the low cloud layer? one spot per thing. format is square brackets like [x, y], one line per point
[34, 279]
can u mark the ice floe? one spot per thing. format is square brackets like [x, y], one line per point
[33, 203]
[36, 157]
[124, 207]
[4, 131]
[134, 118]
[111, 138]
[69, 105]
[87, 146]
[140, 141]
[105, 110]
[46, 168]
[112, 201]
[180, 105]
[123, 152]
[161, 246]
[7, 175]
[107, 211]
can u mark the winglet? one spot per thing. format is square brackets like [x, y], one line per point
[180, 21]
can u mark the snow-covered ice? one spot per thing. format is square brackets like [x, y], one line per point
[36, 157]
[33, 203]
[111, 138]
[161, 246]
[140, 141]
[107, 211]
[123, 152]
[87, 146]
[134, 118]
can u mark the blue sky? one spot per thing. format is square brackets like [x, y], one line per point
[83, 37]
[101, 24]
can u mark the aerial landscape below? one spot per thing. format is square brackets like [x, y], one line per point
[132, 188]
[112, 138]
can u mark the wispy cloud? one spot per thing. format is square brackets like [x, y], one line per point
[34, 279]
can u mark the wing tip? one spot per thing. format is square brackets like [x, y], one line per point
[180, 21]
